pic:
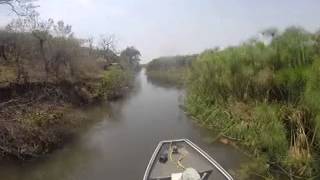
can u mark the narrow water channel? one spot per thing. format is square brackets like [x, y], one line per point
[122, 139]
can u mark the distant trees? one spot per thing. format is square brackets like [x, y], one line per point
[32, 42]
[15, 49]
[131, 57]
[47, 51]
[107, 42]
[107, 45]
[33, 46]
[171, 70]
[90, 42]
[171, 62]
[62, 30]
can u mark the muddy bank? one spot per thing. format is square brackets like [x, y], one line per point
[33, 118]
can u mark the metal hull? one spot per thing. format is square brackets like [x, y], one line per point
[194, 157]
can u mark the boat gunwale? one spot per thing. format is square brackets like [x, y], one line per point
[190, 143]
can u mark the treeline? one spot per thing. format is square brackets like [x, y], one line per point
[170, 70]
[45, 72]
[34, 50]
[265, 95]
[164, 63]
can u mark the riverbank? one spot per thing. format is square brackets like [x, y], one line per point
[101, 150]
[46, 72]
[265, 98]
[33, 116]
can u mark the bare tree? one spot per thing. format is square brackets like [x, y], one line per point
[19, 25]
[42, 33]
[15, 48]
[62, 30]
[90, 43]
[107, 44]
[3, 52]
[20, 7]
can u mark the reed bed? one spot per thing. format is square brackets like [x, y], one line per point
[266, 97]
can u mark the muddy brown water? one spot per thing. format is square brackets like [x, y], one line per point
[121, 139]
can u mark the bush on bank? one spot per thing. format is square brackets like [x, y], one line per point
[114, 82]
[265, 96]
[44, 72]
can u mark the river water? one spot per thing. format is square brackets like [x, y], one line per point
[121, 139]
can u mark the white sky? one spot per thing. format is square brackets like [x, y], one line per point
[170, 27]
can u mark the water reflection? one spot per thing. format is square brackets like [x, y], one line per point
[119, 144]
[162, 83]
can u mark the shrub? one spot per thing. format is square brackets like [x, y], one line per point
[114, 80]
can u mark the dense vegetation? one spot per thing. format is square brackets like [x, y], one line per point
[266, 97]
[44, 72]
[171, 70]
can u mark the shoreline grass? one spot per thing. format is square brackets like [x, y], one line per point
[267, 97]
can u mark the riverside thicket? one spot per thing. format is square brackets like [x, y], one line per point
[265, 95]
[45, 71]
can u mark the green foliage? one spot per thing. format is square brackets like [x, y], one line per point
[130, 58]
[292, 82]
[45, 51]
[217, 75]
[271, 133]
[266, 96]
[170, 70]
[113, 81]
[171, 62]
[171, 77]
[294, 48]
[256, 169]
[312, 93]
[40, 119]
[43, 70]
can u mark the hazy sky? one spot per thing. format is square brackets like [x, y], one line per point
[169, 27]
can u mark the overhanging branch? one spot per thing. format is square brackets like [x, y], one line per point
[20, 7]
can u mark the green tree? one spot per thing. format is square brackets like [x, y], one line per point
[131, 57]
